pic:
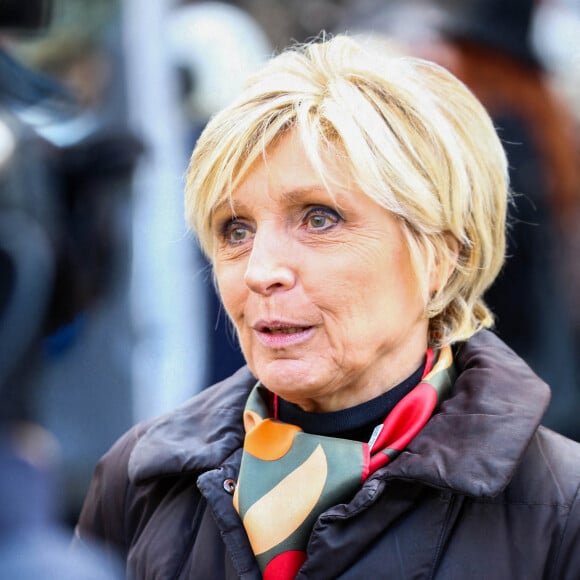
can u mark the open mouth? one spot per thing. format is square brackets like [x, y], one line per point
[279, 335]
[283, 329]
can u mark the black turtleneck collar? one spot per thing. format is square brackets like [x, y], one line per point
[356, 423]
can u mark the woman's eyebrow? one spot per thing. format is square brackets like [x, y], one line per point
[291, 196]
[222, 205]
[300, 193]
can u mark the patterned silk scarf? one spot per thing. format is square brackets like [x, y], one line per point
[288, 477]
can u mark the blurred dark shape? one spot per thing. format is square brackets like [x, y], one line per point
[505, 26]
[87, 176]
[27, 210]
[25, 16]
[57, 246]
[57, 206]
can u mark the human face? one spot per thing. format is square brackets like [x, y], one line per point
[322, 293]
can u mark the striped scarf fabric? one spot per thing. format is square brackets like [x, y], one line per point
[289, 477]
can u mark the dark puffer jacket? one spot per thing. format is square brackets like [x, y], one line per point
[480, 493]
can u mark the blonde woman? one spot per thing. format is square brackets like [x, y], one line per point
[352, 203]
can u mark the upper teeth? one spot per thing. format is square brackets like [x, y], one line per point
[285, 330]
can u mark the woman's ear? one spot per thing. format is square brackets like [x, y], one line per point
[445, 263]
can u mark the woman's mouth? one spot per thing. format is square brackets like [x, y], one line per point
[281, 335]
[282, 330]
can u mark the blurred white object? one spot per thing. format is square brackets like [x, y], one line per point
[556, 35]
[557, 32]
[218, 44]
[7, 143]
[167, 296]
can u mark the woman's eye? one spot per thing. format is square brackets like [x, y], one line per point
[236, 232]
[322, 218]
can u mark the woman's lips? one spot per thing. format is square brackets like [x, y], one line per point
[282, 334]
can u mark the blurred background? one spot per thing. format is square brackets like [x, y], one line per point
[103, 102]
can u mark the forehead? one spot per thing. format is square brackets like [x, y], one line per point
[289, 172]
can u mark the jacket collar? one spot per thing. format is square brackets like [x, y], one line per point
[197, 436]
[475, 443]
[472, 446]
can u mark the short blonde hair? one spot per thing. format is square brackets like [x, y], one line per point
[414, 139]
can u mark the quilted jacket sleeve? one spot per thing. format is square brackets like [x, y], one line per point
[103, 516]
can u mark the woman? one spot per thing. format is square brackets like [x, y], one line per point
[353, 204]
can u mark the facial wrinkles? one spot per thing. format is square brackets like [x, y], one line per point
[351, 286]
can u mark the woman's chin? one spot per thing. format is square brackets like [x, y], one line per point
[291, 379]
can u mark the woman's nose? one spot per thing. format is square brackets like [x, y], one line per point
[270, 266]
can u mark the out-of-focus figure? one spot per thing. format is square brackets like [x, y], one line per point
[55, 249]
[488, 44]
[85, 392]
